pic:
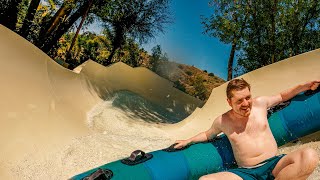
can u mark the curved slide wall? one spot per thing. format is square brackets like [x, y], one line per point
[269, 80]
[44, 105]
[288, 121]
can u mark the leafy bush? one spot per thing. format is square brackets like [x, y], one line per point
[200, 89]
[189, 73]
[177, 84]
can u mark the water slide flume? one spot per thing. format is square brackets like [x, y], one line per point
[288, 121]
[44, 108]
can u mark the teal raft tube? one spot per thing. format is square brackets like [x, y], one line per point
[289, 121]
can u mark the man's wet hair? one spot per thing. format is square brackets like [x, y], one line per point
[236, 84]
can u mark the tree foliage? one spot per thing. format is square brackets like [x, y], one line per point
[228, 23]
[97, 48]
[157, 57]
[272, 30]
[45, 22]
[136, 19]
[9, 10]
[27, 22]
[200, 89]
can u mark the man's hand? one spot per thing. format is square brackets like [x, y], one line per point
[203, 136]
[315, 85]
[312, 85]
[181, 143]
[290, 93]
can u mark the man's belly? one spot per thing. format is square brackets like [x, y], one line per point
[251, 151]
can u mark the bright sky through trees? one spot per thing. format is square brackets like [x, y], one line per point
[184, 41]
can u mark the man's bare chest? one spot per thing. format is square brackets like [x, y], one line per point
[256, 125]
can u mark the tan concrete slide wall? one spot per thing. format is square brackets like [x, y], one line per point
[268, 80]
[44, 105]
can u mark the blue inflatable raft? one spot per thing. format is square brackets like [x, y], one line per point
[288, 121]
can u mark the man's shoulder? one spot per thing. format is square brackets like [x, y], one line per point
[223, 121]
[224, 117]
[260, 100]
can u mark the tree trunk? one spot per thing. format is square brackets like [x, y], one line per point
[48, 28]
[11, 15]
[273, 31]
[80, 25]
[113, 52]
[312, 12]
[25, 29]
[59, 16]
[231, 58]
[117, 42]
[3, 13]
[63, 28]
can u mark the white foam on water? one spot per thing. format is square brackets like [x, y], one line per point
[120, 125]
[115, 134]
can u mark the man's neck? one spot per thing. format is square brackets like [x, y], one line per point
[238, 117]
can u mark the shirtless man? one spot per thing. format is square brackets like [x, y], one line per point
[254, 147]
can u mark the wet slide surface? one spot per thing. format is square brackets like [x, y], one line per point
[56, 123]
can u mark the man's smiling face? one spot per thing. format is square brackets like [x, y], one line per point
[241, 102]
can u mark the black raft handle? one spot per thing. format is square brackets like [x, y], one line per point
[137, 157]
[172, 149]
[100, 174]
[278, 107]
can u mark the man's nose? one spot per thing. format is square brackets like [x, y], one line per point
[245, 102]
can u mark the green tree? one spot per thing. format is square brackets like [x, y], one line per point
[227, 23]
[44, 24]
[60, 23]
[155, 57]
[264, 32]
[200, 89]
[87, 46]
[80, 26]
[9, 10]
[137, 19]
[278, 30]
[177, 84]
[25, 29]
[134, 54]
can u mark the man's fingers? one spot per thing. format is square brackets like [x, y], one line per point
[316, 81]
[314, 86]
[177, 146]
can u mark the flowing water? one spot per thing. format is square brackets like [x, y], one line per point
[119, 125]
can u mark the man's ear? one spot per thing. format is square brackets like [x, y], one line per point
[229, 101]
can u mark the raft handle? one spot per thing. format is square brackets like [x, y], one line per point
[172, 149]
[100, 174]
[278, 108]
[137, 157]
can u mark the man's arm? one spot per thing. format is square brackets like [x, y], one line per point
[289, 93]
[203, 136]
